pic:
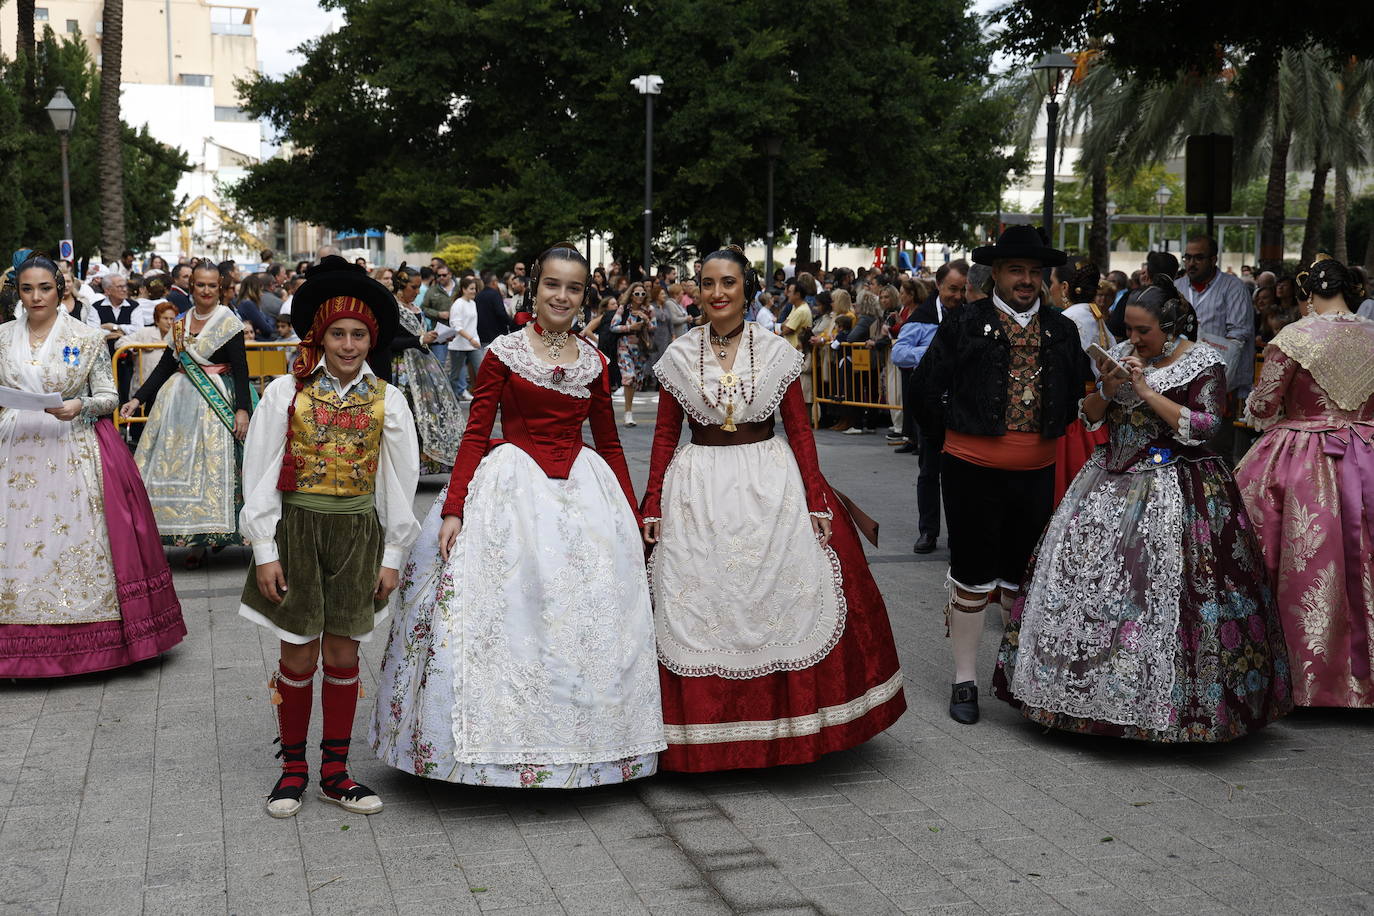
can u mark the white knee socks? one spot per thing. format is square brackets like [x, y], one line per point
[965, 628]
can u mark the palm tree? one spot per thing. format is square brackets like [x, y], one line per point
[1350, 142]
[1127, 123]
[111, 150]
[1315, 102]
[24, 43]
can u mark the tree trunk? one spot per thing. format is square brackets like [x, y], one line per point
[1341, 215]
[1099, 245]
[707, 242]
[803, 247]
[24, 45]
[111, 150]
[1368, 261]
[1316, 209]
[1271, 223]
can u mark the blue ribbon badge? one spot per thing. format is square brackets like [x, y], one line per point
[71, 355]
[1160, 456]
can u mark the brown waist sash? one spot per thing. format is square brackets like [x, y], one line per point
[744, 434]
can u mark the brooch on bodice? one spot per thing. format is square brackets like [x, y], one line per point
[1160, 456]
[71, 356]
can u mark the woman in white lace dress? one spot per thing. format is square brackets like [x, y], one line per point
[523, 653]
[1145, 611]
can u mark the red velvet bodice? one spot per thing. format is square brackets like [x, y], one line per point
[543, 423]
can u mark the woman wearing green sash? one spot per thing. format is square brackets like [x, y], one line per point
[190, 452]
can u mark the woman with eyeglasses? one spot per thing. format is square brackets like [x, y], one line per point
[634, 325]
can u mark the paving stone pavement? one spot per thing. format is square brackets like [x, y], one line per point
[141, 791]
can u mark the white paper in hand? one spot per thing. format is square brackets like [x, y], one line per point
[445, 332]
[18, 399]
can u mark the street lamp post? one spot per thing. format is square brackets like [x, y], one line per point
[1162, 198]
[649, 85]
[773, 146]
[1049, 73]
[63, 115]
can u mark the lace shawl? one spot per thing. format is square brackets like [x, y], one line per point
[515, 351]
[693, 381]
[1339, 352]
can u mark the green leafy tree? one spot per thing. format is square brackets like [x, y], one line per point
[519, 114]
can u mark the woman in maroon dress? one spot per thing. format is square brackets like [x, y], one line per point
[773, 640]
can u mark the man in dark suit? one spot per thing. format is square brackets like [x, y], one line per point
[492, 318]
[180, 292]
[1002, 378]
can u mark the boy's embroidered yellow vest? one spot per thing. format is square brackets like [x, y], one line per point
[335, 442]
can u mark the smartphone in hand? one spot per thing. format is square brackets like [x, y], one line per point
[1109, 365]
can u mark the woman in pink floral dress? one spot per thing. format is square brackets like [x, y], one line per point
[1309, 487]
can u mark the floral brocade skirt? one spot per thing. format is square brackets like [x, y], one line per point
[1307, 508]
[1145, 612]
[527, 658]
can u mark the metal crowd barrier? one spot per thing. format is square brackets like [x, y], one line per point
[266, 361]
[853, 375]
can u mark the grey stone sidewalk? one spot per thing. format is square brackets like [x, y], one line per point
[141, 791]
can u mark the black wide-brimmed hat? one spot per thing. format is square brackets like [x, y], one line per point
[333, 277]
[1020, 242]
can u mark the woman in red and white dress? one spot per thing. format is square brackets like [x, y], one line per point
[523, 652]
[773, 641]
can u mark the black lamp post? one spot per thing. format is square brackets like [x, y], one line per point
[1162, 197]
[63, 115]
[1049, 72]
[649, 85]
[772, 146]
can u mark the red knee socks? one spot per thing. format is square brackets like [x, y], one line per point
[339, 701]
[293, 694]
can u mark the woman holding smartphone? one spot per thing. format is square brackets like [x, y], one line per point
[1145, 612]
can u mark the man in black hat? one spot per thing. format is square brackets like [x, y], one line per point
[1003, 378]
[329, 473]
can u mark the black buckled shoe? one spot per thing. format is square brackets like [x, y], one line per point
[963, 703]
[285, 799]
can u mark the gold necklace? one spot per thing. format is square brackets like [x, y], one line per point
[554, 341]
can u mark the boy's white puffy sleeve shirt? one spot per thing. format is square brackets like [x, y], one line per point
[398, 472]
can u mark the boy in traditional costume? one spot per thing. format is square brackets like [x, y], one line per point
[330, 469]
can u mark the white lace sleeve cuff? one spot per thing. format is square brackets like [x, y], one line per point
[651, 518]
[1089, 424]
[1185, 428]
[826, 514]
